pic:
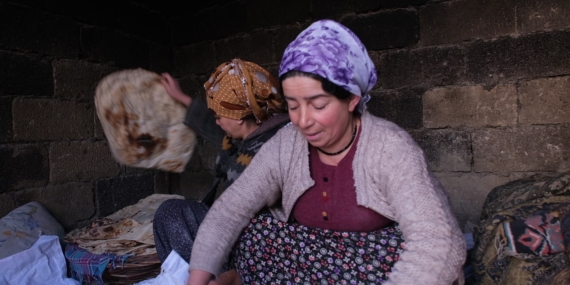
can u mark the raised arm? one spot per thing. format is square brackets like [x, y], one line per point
[198, 117]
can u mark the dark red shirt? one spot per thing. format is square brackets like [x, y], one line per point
[331, 202]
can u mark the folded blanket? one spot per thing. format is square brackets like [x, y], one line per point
[517, 241]
[22, 227]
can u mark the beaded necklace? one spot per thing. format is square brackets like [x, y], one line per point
[344, 148]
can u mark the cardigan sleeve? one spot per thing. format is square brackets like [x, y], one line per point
[200, 118]
[434, 250]
[257, 187]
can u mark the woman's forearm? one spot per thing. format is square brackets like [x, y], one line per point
[185, 100]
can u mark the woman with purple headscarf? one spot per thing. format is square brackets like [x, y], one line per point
[339, 196]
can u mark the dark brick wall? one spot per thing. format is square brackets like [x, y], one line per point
[30, 30]
[116, 193]
[25, 74]
[424, 67]
[52, 147]
[535, 55]
[403, 107]
[23, 166]
[385, 30]
[481, 85]
[5, 119]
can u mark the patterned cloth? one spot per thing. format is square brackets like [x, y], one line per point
[86, 266]
[538, 235]
[537, 196]
[334, 52]
[564, 214]
[273, 252]
[239, 88]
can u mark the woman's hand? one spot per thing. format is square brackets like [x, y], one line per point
[173, 89]
[230, 277]
[199, 277]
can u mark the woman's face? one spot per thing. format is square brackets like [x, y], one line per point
[325, 120]
[230, 126]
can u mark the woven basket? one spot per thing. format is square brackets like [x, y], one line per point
[135, 269]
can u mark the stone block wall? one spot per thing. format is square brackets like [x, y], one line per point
[52, 147]
[481, 85]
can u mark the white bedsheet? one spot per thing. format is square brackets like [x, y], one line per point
[174, 272]
[41, 264]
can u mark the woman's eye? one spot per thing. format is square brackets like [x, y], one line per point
[320, 107]
[292, 106]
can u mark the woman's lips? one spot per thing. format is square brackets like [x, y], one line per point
[312, 136]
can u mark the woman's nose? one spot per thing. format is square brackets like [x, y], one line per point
[305, 118]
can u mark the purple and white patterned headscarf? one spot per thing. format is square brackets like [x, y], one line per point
[331, 50]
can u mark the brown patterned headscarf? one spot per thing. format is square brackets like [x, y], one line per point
[238, 89]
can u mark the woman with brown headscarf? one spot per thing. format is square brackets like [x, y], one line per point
[244, 109]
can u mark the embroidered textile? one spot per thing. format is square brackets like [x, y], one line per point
[493, 261]
[538, 235]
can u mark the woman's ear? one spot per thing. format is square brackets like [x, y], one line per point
[353, 102]
[240, 122]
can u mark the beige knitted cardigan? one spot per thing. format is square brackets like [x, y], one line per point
[391, 177]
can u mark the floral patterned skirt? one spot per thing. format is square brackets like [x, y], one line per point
[270, 251]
